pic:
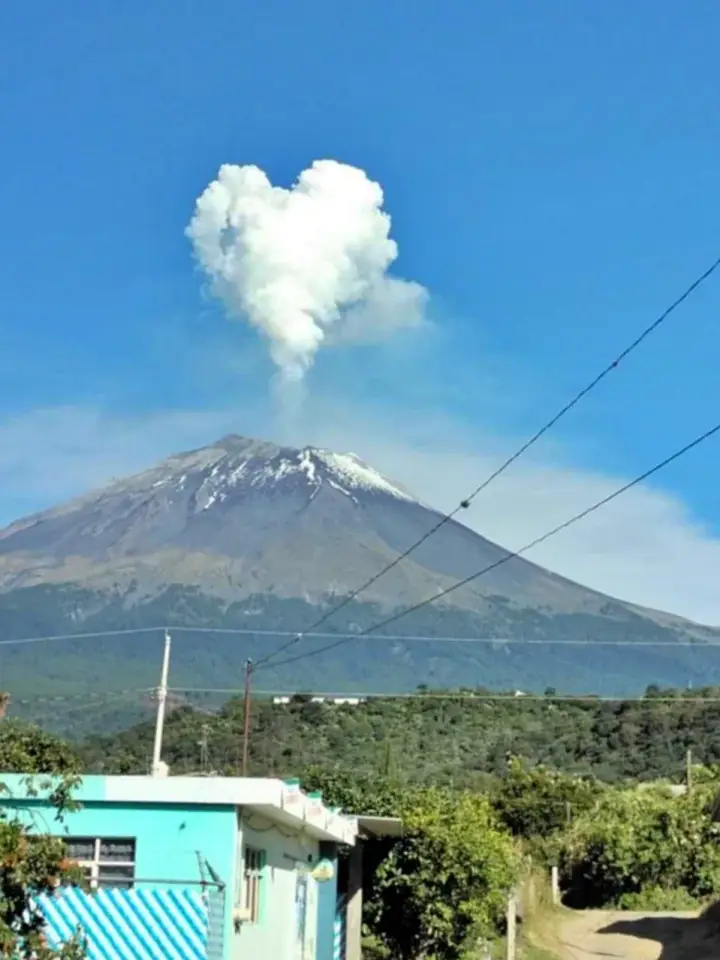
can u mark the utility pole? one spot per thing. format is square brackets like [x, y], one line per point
[162, 691]
[246, 729]
[203, 744]
[688, 770]
[511, 942]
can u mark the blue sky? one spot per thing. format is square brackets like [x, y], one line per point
[550, 169]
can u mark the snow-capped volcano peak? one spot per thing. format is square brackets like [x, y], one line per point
[312, 466]
[346, 472]
[220, 498]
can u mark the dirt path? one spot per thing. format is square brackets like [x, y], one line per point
[635, 936]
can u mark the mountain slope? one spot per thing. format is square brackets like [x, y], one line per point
[244, 516]
[250, 535]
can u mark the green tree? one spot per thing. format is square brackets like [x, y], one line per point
[32, 864]
[447, 879]
[537, 801]
[25, 748]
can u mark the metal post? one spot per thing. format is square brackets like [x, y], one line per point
[246, 728]
[162, 690]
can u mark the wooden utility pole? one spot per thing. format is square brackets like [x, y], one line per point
[246, 728]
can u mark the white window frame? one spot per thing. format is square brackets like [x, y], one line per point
[93, 868]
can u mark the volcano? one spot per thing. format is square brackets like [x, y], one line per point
[249, 535]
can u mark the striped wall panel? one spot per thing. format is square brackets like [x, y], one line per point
[150, 924]
[339, 930]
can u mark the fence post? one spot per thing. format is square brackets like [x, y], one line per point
[511, 951]
[555, 885]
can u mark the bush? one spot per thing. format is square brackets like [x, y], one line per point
[639, 841]
[536, 802]
[658, 899]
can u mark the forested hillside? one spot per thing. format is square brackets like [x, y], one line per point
[437, 737]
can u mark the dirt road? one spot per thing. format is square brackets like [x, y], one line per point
[635, 936]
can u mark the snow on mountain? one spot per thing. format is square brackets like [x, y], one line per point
[344, 472]
[303, 521]
[243, 517]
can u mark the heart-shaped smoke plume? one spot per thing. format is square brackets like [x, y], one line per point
[306, 265]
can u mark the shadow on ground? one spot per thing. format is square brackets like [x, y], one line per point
[681, 938]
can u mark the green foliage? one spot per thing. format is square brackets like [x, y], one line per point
[636, 841]
[442, 739]
[659, 899]
[448, 879]
[25, 748]
[537, 802]
[445, 882]
[33, 864]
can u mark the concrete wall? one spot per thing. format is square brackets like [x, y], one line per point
[168, 837]
[275, 936]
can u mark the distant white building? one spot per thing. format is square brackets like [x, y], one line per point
[334, 701]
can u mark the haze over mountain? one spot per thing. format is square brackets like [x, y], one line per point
[245, 533]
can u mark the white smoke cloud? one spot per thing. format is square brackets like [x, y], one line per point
[307, 265]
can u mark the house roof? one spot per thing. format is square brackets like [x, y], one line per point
[380, 826]
[276, 800]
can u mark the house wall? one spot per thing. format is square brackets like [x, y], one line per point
[275, 936]
[168, 838]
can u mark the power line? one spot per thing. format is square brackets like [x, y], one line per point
[511, 556]
[464, 504]
[79, 636]
[426, 638]
[351, 635]
[380, 637]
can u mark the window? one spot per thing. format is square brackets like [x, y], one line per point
[105, 861]
[254, 861]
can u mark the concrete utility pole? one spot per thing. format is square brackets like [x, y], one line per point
[162, 691]
[688, 770]
[511, 943]
[246, 726]
[204, 753]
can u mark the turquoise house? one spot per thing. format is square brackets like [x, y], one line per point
[193, 868]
